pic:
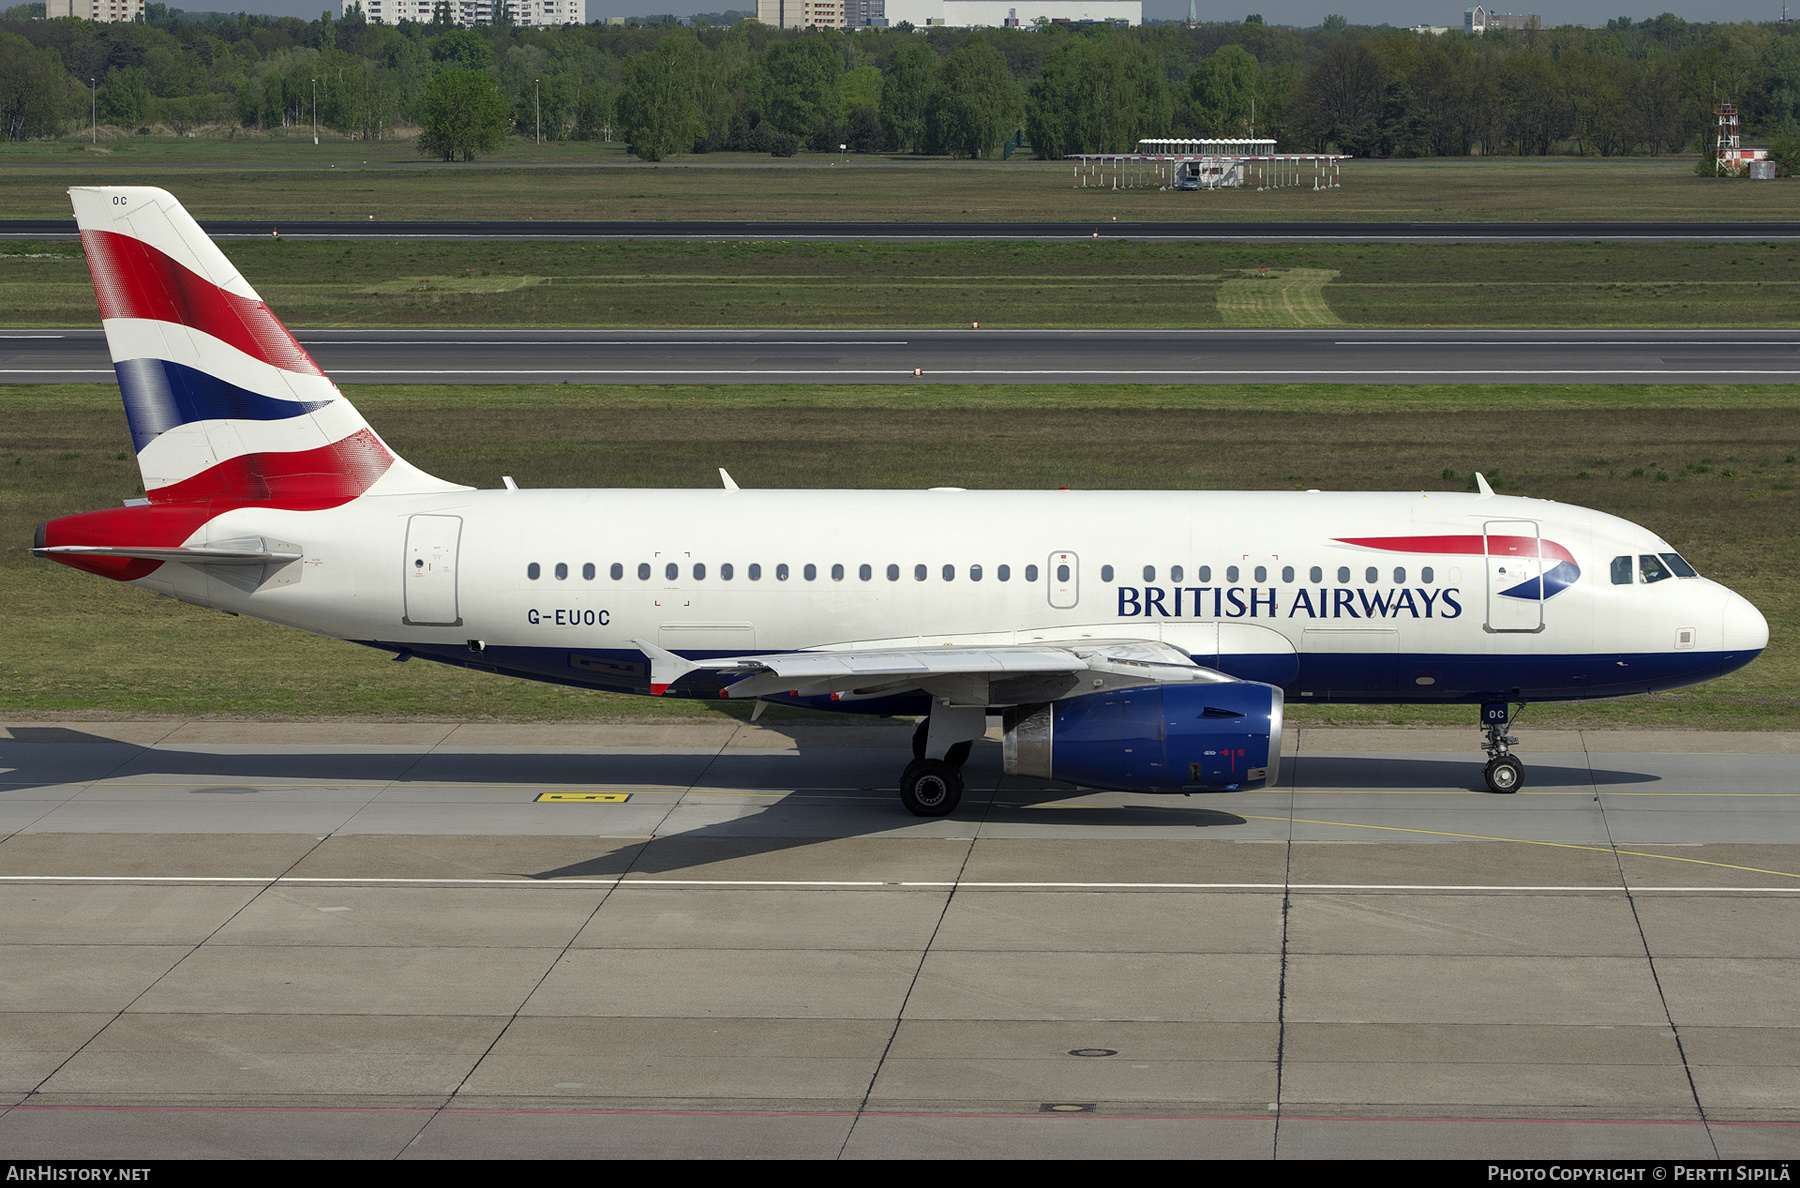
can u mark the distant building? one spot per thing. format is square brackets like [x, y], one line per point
[541, 14]
[956, 14]
[976, 14]
[865, 14]
[813, 14]
[1480, 20]
[101, 11]
[1434, 30]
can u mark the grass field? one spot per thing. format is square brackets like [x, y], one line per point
[1088, 284]
[278, 180]
[1711, 469]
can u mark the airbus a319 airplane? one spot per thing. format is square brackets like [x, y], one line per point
[1132, 641]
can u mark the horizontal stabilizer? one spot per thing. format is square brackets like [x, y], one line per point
[249, 551]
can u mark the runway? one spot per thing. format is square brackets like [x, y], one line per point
[988, 356]
[910, 232]
[438, 941]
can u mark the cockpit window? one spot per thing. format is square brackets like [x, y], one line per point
[1681, 568]
[1621, 571]
[1652, 569]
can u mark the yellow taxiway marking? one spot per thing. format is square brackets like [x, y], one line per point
[1525, 841]
[583, 797]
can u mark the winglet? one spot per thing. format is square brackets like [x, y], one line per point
[665, 666]
[1481, 484]
[730, 483]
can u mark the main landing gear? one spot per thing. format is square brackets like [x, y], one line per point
[1504, 772]
[932, 784]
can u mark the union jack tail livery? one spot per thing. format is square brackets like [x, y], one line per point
[226, 409]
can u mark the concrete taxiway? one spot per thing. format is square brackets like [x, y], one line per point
[414, 356]
[443, 940]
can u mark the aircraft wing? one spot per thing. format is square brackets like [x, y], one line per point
[982, 675]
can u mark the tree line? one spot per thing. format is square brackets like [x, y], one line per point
[1632, 87]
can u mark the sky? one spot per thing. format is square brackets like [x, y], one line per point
[1275, 12]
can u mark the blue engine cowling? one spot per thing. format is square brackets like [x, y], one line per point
[1222, 737]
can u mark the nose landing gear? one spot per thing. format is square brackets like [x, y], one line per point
[1504, 772]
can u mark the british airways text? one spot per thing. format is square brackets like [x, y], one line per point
[1267, 602]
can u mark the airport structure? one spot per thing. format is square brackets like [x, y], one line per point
[1175, 163]
[98, 11]
[538, 14]
[957, 14]
[1480, 20]
[1729, 155]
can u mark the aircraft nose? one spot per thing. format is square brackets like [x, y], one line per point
[1742, 628]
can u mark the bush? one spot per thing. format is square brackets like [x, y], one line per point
[463, 114]
[1785, 152]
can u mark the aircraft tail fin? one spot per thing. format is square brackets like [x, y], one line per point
[224, 404]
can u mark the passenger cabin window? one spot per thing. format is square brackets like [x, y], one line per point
[1262, 574]
[865, 572]
[1106, 573]
[893, 572]
[1371, 575]
[1003, 572]
[617, 571]
[918, 573]
[1149, 573]
[1287, 573]
[587, 572]
[532, 571]
[643, 571]
[1062, 573]
[811, 572]
[699, 571]
[1206, 573]
[837, 573]
[1621, 571]
[1427, 575]
[1343, 574]
[974, 573]
[726, 572]
[562, 572]
[1031, 573]
[1176, 573]
[755, 572]
[1315, 575]
[671, 572]
[1399, 575]
[1231, 573]
[781, 572]
[949, 573]
[1652, 569]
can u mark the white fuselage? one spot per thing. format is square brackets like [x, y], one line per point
[1216, 574]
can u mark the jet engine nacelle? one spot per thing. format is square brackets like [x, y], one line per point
[1156, 738]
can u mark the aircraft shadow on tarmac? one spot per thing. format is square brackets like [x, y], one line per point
[108, 759]
[838, 792]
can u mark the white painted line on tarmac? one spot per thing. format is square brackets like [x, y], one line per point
[924, 884]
